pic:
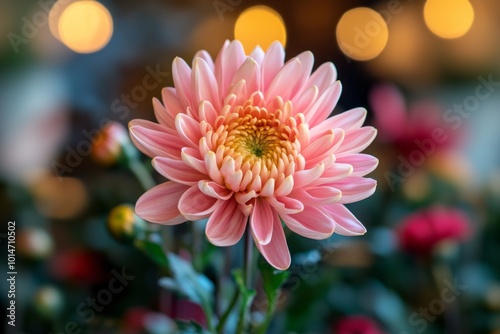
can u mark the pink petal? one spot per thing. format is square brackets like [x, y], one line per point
[162, 115]
[258, 55]
[188, 129]
[215, 190]
[171, 102]
[346, 222]
[153, 139]
[206, 57]
[212, 168]
[276, 251]
[227, 63]
[324, 105]
[177, 170]
[204, 85]
[192, 158]
[261, 221]
[362, 164]
[159, 204]
[347, 120]
[181, 73]
[322, 147]
[357, 140]
[319, 195]
[305, 100]
[304, 177]
[285, 187]
[249, 72]
[207, 112]
[355, 188]
[306, 64]
[285, 205]
[226, 225]
[311, 223]
[271, 64]
[335, 172]
[195, 205]
[280, 86]
[323, 77]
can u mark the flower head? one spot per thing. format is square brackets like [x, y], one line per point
[248, 139]
[422, 231]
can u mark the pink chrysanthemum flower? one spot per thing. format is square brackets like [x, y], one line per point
[248, 139]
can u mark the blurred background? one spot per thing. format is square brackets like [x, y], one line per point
[426, 71]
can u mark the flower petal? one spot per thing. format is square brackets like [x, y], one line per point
[355, 188]
[249, 72]
[177, 170]
[276, 251]
[181, 73]
[271, 64]
[357, 140]
[280, 86]
[285, 205]
[261, 221]
[227, 63]
[153, 139]
[324, 105]
[195, 205]
[323, 77]
[188, 129]
[347, 120]
[362, 164]
[346, 222]
[215, 190]
[159, 204]
[311, 223]
[226, 225]
[203, 83]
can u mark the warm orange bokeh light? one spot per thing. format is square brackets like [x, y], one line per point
[362, 33]
[85, 26]
[449, 18]
[259, 25]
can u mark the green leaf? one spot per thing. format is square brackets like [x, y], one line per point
[272, 279]
[188, 283]
[150, 244]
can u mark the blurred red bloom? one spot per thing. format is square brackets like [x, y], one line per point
[403, 125]
[357, 325]
[422, 231]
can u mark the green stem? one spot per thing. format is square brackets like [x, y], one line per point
[247, 275]
[143, 176]
[223, 318]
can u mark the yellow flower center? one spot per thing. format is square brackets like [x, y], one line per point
[259, 140]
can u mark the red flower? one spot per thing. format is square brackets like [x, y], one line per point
[420, 232]
[357, 325]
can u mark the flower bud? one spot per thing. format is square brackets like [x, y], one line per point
[124, 224]
[49, 301]
[107, 148]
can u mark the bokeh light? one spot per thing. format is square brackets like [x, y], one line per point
[85, 26]
[449, 18]
[259, 25]
[362, 33]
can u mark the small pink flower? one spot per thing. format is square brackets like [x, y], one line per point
[357, 325]
[248, 139]
[422, 231]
